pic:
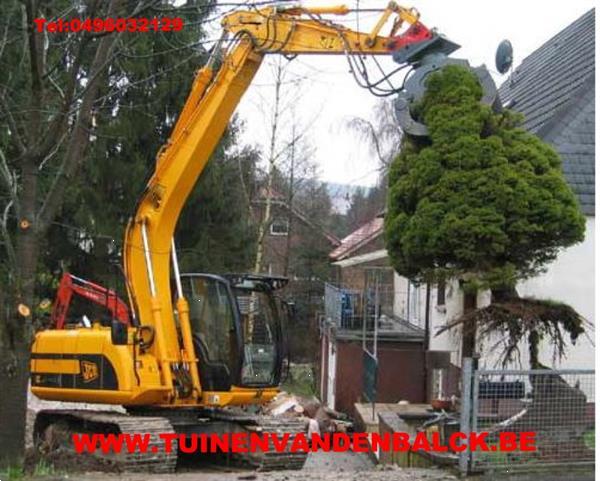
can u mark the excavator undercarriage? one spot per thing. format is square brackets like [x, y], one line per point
[54, 430]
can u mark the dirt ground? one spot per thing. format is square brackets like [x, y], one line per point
[329, 467]
[319, 466]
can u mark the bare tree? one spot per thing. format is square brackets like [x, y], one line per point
[279, 70]
[383, 134]
[47, 102]
[284, 138]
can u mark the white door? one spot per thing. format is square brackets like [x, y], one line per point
[331, 374]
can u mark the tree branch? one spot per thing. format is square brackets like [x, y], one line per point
[8, 244]
[9, 180]
[36, 56]
[12, 125]
[79, 140]
[59, 123]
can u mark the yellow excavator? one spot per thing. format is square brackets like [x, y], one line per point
[197, 346]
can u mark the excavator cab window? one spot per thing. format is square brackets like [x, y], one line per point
[214, 332]
[260, 326]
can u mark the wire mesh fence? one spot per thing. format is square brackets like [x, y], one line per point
[557, 405]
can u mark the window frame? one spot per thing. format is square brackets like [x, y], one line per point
[281, 222]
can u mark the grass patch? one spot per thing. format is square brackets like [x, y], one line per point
[12, 473]
[300, 381]
[43, 468]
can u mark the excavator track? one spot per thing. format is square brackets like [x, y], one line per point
[53, 430]
[270, 460]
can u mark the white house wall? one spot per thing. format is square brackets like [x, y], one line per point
[448, 340]
[570, 279]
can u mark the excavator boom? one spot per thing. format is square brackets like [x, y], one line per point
[217, 342]
[248, 35]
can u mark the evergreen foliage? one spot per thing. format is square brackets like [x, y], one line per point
[147, 89]
[480, 196]
[483, 200]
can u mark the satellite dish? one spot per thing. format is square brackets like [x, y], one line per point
[504, 56]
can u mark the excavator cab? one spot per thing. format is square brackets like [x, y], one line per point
[237, 329]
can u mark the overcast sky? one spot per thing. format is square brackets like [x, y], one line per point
[331, 96]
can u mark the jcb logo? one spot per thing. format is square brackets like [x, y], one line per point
[89, 371]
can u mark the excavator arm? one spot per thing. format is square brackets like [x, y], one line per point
[248, 35]
[71, 285]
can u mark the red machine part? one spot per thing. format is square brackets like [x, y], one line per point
[107, 298]
[416, 33]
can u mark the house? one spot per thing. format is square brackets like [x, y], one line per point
[363, 247]
[296, 246]
[361, 334]
[290, 231]
[554, 88]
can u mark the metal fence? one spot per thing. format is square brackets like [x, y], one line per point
[557, 405]
[347, 308]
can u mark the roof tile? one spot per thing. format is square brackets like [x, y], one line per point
[359, 237]
[554, 89]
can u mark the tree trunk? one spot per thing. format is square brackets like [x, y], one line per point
[290, 200]
[16, 319]
[262, 229]
[15, 336]
[14, 352]
[266, 219]
[14, 374]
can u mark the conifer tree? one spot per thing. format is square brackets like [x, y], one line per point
[481, 200]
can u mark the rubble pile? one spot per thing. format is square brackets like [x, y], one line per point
[320, 418]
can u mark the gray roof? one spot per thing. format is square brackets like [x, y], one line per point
[554, 88]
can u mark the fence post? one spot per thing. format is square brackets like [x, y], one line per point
[465, 411]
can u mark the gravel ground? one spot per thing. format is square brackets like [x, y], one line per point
[375, 475]
[319, 467]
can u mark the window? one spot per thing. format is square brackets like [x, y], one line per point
[441, 293]
[259, 324]
[279, 227]
[212, 318]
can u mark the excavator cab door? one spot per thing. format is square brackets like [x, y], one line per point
[261, 326]
[236, 329]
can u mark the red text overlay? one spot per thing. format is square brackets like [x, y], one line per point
[334, 442]
[99, 25]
